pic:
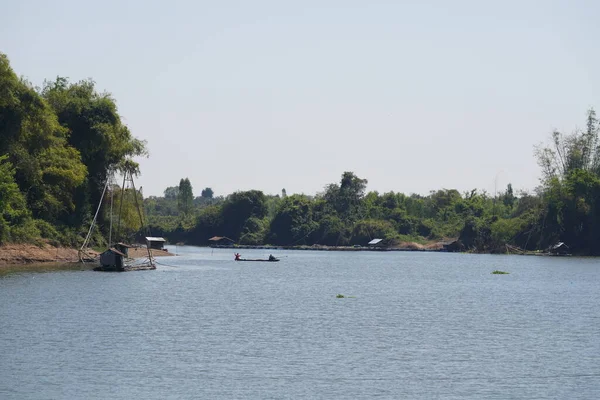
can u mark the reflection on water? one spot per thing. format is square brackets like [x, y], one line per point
[411, 325]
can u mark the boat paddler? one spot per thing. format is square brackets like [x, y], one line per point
[237, 256]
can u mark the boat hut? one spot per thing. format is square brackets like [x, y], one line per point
[155, 243]
[123, 248]
[559, 249]
[112, 258]
[217, 241]
[376, 243]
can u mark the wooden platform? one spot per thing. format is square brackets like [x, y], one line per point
[126, 268]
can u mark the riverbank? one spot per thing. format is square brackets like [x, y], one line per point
[407, 246]
[21, 254]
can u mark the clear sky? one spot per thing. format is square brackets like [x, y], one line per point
[237, 95]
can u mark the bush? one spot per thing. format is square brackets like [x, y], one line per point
[47, 231]
[27, 232]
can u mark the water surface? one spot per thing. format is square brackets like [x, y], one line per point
[412, 325]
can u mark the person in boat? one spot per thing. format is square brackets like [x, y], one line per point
[271, 258]
[237, 256]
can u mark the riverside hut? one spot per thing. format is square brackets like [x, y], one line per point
[155, 243]
[123, 248]
[217, 241]
[376, 243]
[112, 258]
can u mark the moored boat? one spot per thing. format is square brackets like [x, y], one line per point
[238, 257]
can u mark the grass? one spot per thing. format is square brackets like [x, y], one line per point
[496, 272]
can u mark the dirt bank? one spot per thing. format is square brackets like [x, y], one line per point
[29, 253]
[11, 254]
[139, 252]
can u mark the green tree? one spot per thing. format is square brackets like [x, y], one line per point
[509, 197]
[578, 150]
[95, 129]
[47, 169]
[207, 193]
[293, 222]
[208, 224]
[238, 208]
[345, 198]
[185, 197]
[13, 208]
[171, 193]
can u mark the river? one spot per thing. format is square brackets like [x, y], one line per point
[411, 325]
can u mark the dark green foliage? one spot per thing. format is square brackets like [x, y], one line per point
[365, 230]
[185, 197]
[95, 129]
[293, 222]
[48, 170]
[207, 193]
[58, 146]
[331, 232]
[171, 193]
[208, 224]
[15, 218]
[238, 208]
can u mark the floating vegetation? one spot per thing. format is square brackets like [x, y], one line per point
[341, 296]
[496, 272]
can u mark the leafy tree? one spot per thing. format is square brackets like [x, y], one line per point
[293, 222]
[508, 198]
[47, 169]
[578, 150]
[238, 208]
[365, 230]
[13, 209]
[331, 231]
[95, 129]
[185, 197]
[171, 193]
[207, 193]
[126, 217]
[346, 197]
[254, 231]
[208, 224]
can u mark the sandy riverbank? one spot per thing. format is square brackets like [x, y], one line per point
[30, 253]
[139, 252]
[14, 254]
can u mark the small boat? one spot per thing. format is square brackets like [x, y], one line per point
[238, 257]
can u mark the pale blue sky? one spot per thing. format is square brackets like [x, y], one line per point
[412, 95]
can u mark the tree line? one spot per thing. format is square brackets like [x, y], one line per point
[60, 143]
[565, 207]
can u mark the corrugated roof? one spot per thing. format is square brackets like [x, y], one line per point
[116, 252]
[217, 238]
[155, 239]
[375, 241]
